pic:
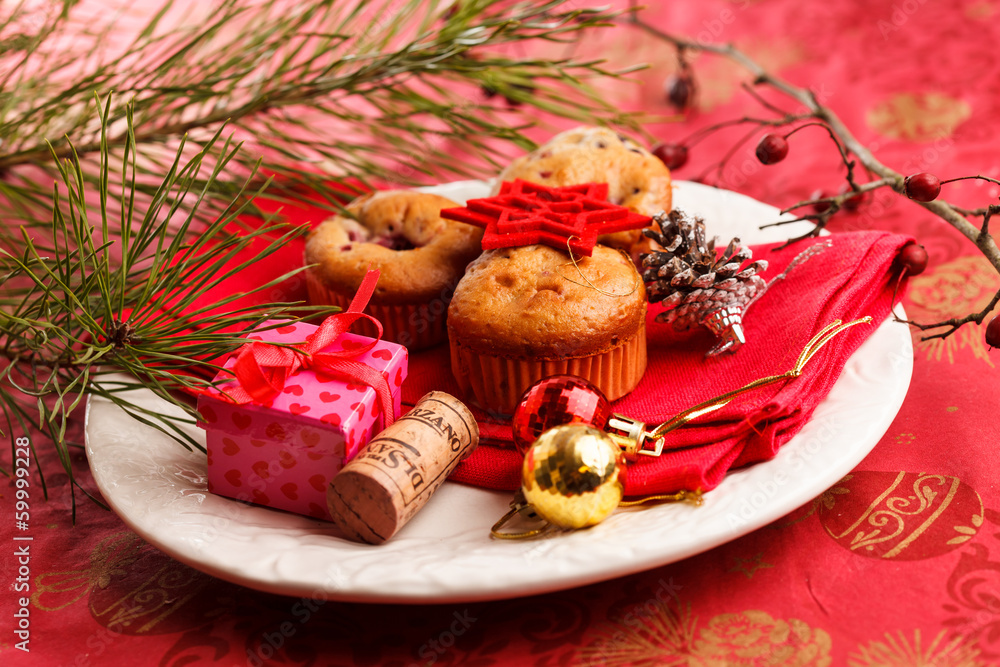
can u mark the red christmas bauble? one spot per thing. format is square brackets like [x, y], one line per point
[554, 401]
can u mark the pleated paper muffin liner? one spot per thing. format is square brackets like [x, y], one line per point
[496, 383]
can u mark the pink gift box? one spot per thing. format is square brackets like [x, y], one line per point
[284, 454]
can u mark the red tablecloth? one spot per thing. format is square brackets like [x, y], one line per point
[828, 584]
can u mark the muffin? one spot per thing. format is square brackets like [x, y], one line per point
[521, 314]
[420, 255]
[636, 178]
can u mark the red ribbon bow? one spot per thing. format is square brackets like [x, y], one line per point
[262, 369]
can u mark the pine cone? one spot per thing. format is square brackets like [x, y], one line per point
[696, 286]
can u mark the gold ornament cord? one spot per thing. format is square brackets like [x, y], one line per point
[824, 336]
[523, 535]
[589, 283]
[692, 497]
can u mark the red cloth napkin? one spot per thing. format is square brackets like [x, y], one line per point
[851, 279]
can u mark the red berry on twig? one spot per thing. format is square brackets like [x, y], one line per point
[680, 91]
[820, 206]
[674, 156]
[772, 148]
[922, 186]
[993, 332]
[912, 258]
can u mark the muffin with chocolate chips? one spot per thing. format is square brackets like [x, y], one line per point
[635, 177]
[420, 255]
[522, 314]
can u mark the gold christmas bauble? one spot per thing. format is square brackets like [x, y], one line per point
[573, 476]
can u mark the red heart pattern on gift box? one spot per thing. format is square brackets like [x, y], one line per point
[290, 474]
[234, 477]
[289, 451]
[241, 421]
[261, 469]
[286, 459]
[297, 395]
[318, 482]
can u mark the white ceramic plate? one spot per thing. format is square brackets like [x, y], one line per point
[445, 554]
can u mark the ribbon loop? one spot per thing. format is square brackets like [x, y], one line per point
[262, 369]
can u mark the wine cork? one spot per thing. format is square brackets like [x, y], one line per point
[388, 481]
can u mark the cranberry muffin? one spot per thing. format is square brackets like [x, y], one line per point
[420, 255]
[521, 314]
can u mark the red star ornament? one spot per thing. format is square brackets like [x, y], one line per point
[526, 213]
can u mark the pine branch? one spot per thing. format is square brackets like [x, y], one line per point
[342, 87]
[101, 270]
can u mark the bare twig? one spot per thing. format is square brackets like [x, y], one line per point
[955, 323]
[849, 144]
[834, 200]
[990, 210]
[849, 163]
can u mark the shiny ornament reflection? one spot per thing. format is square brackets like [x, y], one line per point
[573, 476]
[554, 401]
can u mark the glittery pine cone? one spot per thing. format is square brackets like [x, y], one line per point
[695, 284]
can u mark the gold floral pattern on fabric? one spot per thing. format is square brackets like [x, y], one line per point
[973, 604]
[143, 603]
[659, 632]
[748, 565]
[664, 632]
[111, 557]
[131, 587]
[898, 651]
[964, 285]
[980, 11]
[901, 515]
[754, 638]
[918, 117]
